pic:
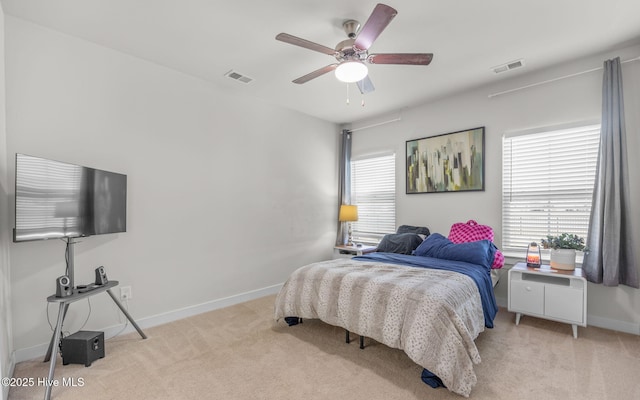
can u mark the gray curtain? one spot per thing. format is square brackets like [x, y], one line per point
[611, 259]
[344, 182]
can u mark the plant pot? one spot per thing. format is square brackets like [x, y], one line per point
[564, 259]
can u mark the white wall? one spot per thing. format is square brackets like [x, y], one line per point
[227, 194]
[6, 338]
[565, 101]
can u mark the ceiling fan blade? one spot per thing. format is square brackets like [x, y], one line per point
[365, 85]
[285, 37]
[401, 58]
[315, 74]
[378, 20]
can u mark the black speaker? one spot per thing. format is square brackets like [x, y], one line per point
[101, 276]
[83, 347]
[63, 286]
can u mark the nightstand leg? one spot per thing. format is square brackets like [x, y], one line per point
[518, 318]
[575, 330]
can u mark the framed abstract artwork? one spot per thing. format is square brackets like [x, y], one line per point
[451, 162]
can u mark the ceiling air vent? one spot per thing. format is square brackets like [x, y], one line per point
[238, 76]
[508, 66]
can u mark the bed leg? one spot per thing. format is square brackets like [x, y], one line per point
[361, 342]
[347, 339]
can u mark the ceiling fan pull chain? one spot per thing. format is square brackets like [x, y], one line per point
[347, 94]
[362, 103]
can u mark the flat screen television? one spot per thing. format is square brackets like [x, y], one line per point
[56, 200]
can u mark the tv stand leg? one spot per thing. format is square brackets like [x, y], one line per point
[56, 334]
[126, 313]
[56, 338]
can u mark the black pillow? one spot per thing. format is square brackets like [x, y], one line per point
[420, 230]
[401, 243]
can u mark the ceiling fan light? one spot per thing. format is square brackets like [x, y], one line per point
[351, 71]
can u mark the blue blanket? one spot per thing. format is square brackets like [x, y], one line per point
[480, 275]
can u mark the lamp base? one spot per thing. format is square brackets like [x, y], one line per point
[350, 240]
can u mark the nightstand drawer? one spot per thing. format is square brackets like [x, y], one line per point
[527, 297]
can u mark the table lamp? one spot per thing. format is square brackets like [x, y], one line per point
[348, 214]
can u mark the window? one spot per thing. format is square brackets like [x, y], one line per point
[547, 184]
[373, 190]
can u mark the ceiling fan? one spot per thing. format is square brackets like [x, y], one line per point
[353, 53]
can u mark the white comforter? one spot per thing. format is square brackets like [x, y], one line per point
[433, 315]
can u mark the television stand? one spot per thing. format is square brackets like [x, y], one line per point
[62, 312]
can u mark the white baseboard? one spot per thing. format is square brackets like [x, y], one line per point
[147, 322]
[593, 320]
[12, 367]
[613, 324]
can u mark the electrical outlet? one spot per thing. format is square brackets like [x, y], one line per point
[125, 293]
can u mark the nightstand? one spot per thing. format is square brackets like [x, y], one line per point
[548, 293]
[351, 251]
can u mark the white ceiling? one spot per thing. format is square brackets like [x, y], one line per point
[207, 38]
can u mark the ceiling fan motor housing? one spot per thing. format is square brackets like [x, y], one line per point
[346, 51]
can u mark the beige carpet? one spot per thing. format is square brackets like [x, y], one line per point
[240, 353]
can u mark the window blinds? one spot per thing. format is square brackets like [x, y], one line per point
[373, 190]
[547, 185]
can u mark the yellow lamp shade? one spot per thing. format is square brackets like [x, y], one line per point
[348, 213]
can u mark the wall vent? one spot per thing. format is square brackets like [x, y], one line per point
[238, 76]
[508, 66]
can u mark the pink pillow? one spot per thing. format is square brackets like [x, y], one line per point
[471, 231]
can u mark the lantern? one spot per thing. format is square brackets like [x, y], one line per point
[533, 255]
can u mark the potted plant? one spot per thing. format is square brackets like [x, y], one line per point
[563, 250]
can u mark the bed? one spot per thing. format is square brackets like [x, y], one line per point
[432, 305]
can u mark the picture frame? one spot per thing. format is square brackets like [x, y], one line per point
[450, 162]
